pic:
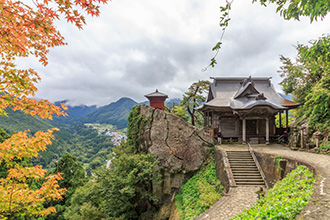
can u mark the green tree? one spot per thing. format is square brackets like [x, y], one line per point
[3, 165]
[308, 79]
[283, 119]
[127, 185]
[194, 97]
[73, 177]
[289, 9]
[87, 202]
[124, 190]
[28, 30]
[180, 112]
[294, 9]
[3, 135]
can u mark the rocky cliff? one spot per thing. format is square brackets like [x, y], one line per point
[180, 148]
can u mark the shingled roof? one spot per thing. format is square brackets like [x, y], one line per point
[156, 94]
[239, 93]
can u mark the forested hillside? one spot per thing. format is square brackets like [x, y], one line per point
[74, 112]
[115, 113]
[18, 121]
[85, 143]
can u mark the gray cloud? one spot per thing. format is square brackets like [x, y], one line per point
[136, 47]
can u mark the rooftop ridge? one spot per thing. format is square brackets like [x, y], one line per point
[240, 78]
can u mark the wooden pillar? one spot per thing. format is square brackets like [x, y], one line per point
[287, 119]
[212, 122]
[207, 119]
[267, 130]
[257, 127]
[302, 142]
[280, 119]
[244, 131]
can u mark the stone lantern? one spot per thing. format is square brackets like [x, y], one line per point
[317, 135]
[157, 99]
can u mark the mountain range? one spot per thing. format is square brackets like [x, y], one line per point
[115, 113]
[83, 142]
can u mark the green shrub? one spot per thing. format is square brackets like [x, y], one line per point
[285, 200]
[199, 193]
[324, 148]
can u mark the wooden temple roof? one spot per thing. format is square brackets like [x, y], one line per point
[156, 94]
[243, 93]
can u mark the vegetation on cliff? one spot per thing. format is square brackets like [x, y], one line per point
[286, 199]
[200, 192]
[308, 79]
[124, 190]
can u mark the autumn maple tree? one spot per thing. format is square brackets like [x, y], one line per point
[27, 29]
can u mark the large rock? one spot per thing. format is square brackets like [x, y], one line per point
[180, 147]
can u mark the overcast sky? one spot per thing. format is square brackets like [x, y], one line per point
[137, 46]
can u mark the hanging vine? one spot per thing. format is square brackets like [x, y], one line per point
[224, 21]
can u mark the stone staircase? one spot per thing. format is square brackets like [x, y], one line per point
[244, 169]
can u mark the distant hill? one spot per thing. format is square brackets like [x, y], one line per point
[74, 112]
[115, 113]
[288, 96]
[84, 143]
[18, 121]
[170, 103]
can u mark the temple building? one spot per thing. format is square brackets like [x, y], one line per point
[244, 109]
[157, 99]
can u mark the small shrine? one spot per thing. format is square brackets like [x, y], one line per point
[156, 99]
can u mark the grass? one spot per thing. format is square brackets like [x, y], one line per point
[199, 193]
[285, 200]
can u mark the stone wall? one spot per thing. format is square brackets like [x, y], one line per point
[180, 148]
[221, 169]
[276, 171]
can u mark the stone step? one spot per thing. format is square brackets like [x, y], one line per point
[239, 155]
[244, 169]
[243, 166]
[248, 178]
[247, 174]
[236, 155]
[241, 169]
[242, 162]
[240, 158]
[250, 184]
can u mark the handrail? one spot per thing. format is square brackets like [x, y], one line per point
[258, 165]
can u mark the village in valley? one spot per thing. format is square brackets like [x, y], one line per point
[117, 136]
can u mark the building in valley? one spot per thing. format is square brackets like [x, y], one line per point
[244, 109]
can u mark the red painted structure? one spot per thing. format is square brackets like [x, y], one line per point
[157, 99]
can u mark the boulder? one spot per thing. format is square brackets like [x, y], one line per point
[180, 147]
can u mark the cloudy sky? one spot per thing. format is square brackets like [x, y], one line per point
[137, 46]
